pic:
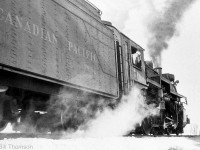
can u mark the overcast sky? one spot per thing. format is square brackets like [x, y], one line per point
[182, 58]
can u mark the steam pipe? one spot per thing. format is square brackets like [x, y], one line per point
[158, 70]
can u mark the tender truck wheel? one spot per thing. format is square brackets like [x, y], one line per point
[5, 111]
[146, 126]
[3, 125]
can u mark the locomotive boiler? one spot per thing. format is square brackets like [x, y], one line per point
[47, 47]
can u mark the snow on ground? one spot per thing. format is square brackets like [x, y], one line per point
[116, 143]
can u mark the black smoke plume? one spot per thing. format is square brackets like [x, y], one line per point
[163, 27]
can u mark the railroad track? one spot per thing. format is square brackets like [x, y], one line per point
[63, 136]
[30, 135]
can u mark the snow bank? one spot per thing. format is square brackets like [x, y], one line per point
[121, 143]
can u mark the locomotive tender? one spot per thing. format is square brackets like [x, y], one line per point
[48, 45]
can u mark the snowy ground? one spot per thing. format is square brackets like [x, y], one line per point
[110, 143]
[116, 143]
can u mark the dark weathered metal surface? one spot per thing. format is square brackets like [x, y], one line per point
[58, 39]
[152, 75]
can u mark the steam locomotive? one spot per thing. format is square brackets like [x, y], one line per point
[55, 46]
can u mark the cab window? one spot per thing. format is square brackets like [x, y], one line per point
[136, 57]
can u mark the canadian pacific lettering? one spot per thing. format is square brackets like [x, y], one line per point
[80, 51]
[27, 26]
[44, 34]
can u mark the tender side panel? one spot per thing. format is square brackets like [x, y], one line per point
[56, 39]
[87, 7]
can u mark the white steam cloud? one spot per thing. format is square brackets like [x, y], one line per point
[119, 121]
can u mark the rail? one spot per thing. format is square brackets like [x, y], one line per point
[56, 136]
